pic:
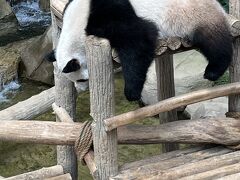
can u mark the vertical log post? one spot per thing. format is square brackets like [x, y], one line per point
[234, 70]
[166, 89]
[65, 96]
[101, 86]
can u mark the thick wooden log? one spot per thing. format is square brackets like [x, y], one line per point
[163, 157]
[65, 117]
[216, 173]
[195, 168]
[153, 167]
[42, 132]
[170, 104]
[89, 159]
[39, 174]
[234, 69]
[61, 177]
[166, 89]
[31, 107]
[219, 131]
[65, 96]
[230, 177]
[101, 86]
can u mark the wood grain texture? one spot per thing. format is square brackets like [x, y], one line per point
[168, 168]
[166, 89]
[215, 173]
[230, 177]
[204, 165]
[39, 174]
[101, 86]
[170, 104]
[90, 161]
[65, 117]
[65, 96]
[61, 177]
[61, 113]
[234, 69]
[223, 131]
[162, 157]
[30, 108]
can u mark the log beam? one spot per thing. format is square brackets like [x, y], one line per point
[40, 174]
[219, 131]
[170, 104]
[61, 177]
[30, 108]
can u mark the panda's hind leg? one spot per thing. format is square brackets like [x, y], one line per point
[215, 43]
[136, 53]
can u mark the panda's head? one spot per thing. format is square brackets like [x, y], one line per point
[70, 50]
[73, 66]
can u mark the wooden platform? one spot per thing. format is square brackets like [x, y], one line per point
[212, 162]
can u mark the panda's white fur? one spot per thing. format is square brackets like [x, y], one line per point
[178, 18]
[172, 18]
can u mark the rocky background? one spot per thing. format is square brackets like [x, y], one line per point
[25, 37]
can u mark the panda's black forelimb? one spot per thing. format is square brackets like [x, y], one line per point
[134, 39]
[215, 43]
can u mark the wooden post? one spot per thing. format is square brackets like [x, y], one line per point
[166, 89]
[101, 85]
[65, 96]
[234, 70]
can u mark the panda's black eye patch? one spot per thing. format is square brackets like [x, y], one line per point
[50, 56]
[82, 80]
[71, 66]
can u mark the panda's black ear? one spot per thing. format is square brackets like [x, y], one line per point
[51, 56]
[71, 66]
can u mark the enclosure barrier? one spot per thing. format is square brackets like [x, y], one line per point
[108, 130]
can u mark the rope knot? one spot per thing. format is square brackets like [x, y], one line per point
[84, 141]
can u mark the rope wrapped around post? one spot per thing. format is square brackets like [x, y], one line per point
[84, 141]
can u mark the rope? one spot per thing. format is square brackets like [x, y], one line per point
[84, 141]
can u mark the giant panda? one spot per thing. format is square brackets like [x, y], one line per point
[133, 27]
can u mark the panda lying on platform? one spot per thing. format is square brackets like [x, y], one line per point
[133, 27]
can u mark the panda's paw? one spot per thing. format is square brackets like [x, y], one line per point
[132, 94]
[211, 75]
